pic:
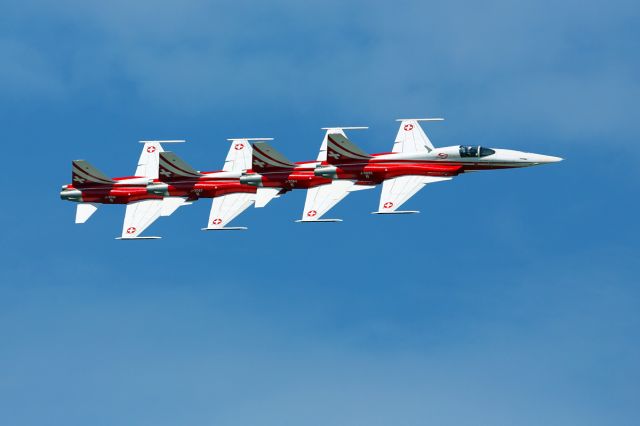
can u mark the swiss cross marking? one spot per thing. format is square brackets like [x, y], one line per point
[131, 230]
[238, 146]
[151, 149]
[408, 127]
[216, 221]
[78, 179]
[259, 163]
[387, 205]
[165, 172]
[312, 213]
[334, 155]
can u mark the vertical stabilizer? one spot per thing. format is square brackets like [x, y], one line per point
[173, 167]
[267, 159]
[84, 174]
[322, 154]
[341, 150]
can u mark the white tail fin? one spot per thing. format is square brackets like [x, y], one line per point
[149, 158]
[84, 174]
[173, 167]
[84, 211]
[411, 137]
[239, 156]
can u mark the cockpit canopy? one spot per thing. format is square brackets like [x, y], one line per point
[475, 151]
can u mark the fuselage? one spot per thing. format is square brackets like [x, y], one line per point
[301, 176]
[123, 190]
[445, 162]
[209, 185]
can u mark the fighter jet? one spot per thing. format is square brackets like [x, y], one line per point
[90, 188]
[413, 163]
[230, 197]
[273, 174]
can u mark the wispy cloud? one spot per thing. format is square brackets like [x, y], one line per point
[565, 70]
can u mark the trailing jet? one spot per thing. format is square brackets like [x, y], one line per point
[90, 188]
[272, 173]
[230, 197]
[413, 163]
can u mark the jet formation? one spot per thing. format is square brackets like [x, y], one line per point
[254, 173]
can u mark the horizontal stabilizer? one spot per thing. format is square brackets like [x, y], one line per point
[171, 204]
[264, 195]
[84, 211]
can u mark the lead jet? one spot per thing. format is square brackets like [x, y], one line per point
[229, 196]
[90, 188]
[273, 174]
[413, 163]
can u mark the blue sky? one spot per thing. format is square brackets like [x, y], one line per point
[512, 298]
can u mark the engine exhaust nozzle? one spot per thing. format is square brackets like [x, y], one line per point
[252, 179]
[330, 172]
[161, 189]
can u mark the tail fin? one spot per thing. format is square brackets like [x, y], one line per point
[267, 159]
[322, 155]
[173, 167]
[149, 157]
[411, 137]
[341, 150]
[239, 155]
[84, 174]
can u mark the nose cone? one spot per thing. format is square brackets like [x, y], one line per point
[543, 159]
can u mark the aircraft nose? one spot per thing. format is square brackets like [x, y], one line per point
[544, 159]
[552, 159]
